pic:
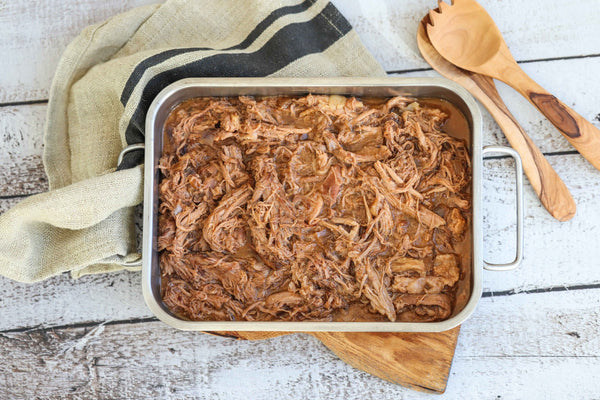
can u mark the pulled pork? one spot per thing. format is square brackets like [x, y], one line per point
[311, 208]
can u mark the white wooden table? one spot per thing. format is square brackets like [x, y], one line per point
[535, 333]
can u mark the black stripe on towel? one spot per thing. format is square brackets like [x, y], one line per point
[274, 16]
[287, 45]
[139, 70]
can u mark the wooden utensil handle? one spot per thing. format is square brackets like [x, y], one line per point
[546, 183]
[584, 136]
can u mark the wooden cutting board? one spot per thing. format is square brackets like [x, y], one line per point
[420, 361]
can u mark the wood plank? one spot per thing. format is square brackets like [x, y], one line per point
[532, 29]
[551, 324]
[62, 300]
[555, 253]
[33, 35]
[152, 361]
[21, 146]
[534, 377]
[512, 325]
[7, 203]
[549, 339]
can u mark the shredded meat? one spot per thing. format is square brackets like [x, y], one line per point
[304, 208]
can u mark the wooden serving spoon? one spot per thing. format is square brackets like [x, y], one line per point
[546, 183]
[465, 34]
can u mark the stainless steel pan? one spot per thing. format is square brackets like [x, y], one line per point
[372, 87]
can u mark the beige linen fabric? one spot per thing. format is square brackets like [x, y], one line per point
[104, 82]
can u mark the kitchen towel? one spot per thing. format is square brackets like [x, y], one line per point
[105, 82]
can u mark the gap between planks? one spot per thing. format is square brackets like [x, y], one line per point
[566, 288]
[536, 60]
[79, 325]
[391, 72]
[23, 103]
[147, 363]
[134, 321]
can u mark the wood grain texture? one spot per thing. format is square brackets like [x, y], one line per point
[34, 34]
[553, 324]
[538, 30]
[553, 352]
[580, 132]
[467, 36]
[21, 145]
[62, 300]
[9, 202]
[546, 183]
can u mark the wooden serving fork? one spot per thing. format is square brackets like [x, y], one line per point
[465, 34]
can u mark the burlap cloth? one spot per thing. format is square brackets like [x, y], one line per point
[104, 83]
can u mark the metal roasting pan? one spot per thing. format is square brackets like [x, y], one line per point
[185, 89]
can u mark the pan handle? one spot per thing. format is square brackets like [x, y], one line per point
[131, 147]
[519, 172]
